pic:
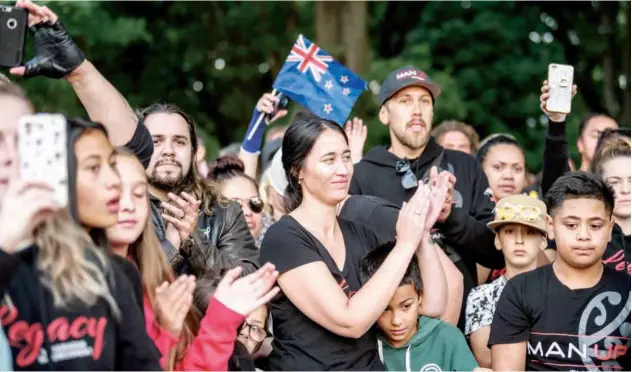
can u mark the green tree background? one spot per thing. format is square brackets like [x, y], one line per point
[215, 59]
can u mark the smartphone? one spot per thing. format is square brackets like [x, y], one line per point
[284, 102]
[561, 92]
[43, 148]
[13, 24]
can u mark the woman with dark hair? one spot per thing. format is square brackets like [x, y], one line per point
[229, 174]
[54, 276]
[324, 318]
[503, 161]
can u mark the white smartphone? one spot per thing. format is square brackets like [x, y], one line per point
[561, 93]
[43, 147]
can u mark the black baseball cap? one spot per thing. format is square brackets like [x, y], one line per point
[407, 77]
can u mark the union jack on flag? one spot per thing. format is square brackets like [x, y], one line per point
[330, 89]
[307, 54]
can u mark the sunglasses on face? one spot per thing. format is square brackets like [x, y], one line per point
[409, 180]
[255, 203]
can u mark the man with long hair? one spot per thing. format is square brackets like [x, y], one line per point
[192, 238]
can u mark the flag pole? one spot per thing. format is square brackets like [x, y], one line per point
[260, 118]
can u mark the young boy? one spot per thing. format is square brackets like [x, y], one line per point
[520, 227]
[573, 314]
[408, 342]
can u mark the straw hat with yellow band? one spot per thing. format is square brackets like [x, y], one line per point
[521, 209]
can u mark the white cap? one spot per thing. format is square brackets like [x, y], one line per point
[276, 174]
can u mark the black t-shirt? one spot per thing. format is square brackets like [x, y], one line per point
[300, 343]
[141, 144]
[564, 327]
[377, 214]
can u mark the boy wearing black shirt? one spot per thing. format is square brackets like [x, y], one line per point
[575, 313]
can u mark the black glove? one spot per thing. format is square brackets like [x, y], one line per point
[56, 55]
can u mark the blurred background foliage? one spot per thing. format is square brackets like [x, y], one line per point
[215, 59]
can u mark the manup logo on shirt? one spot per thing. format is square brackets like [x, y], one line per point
[599, 350]
[67, 337]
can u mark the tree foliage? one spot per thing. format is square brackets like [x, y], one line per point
[215, 59]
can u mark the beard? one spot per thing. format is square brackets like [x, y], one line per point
[166, 181]
[413, 142]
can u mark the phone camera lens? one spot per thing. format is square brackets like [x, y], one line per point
[12, 23]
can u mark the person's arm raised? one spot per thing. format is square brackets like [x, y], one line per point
[251, 145]
[427, 257]
[314, 291]
[57, 56]
[555, 158]
[104, 103]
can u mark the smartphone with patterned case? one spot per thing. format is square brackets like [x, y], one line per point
[561, 88]
[43, 147]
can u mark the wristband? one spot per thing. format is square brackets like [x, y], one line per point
[254, 134]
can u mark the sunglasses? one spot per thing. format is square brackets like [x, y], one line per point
[255, 203]
[409, 180]
[513, 212]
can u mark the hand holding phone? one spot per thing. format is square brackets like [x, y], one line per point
[561, 88]
[13, 24]
[43, 148]
[554, 104]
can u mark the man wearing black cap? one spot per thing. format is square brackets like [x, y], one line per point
[407, 97]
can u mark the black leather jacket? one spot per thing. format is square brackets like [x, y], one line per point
[221, 239]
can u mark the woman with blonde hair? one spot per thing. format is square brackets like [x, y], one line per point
[186, 339]
[612, 163]
[62, 299]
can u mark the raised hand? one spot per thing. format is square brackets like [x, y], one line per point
[24, 207]
[267, 104]
[185, 210]
[412, 217]
[173, 302]
[356, 133]
[446, 209]
[544, 97]
[441, 191]
[56, 55]
[246, 294]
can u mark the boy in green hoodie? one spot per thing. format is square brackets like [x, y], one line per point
[407, 341]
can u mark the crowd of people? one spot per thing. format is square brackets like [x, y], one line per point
[437, 251]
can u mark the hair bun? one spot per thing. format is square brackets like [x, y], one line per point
[224, 166]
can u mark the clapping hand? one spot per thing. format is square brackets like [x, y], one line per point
[441, 195]
[173, 302]
[412, 217]
[183, 221]
[447, 180]
[246, 294]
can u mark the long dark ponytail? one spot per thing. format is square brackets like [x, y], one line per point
[297, 144]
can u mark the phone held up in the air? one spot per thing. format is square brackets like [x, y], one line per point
[561, 88]
[43, 148]
[13, 24]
